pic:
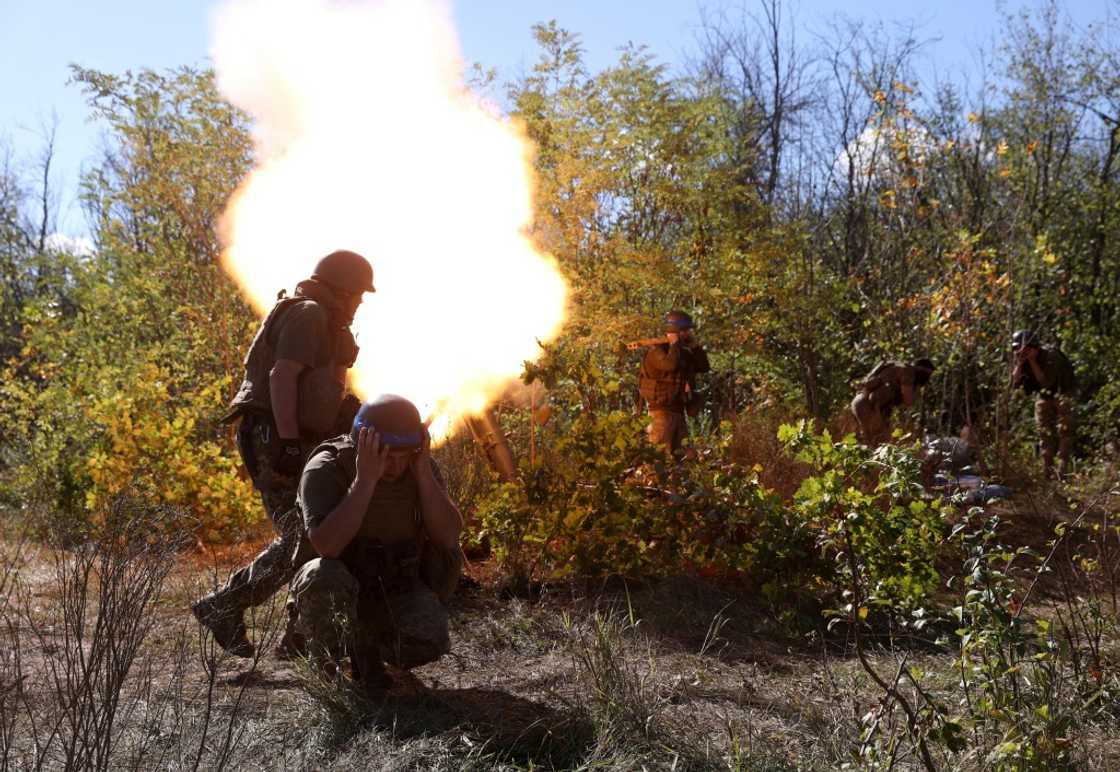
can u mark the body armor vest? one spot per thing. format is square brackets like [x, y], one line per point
[882, 385]
[321, 389]
[667, 391]
[392, 519]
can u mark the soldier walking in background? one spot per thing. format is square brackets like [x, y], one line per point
[889, 385]
[292, 397]
[1048, 374]
[667, 380]
[377, 512]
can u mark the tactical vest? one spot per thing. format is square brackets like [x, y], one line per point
[1058, 371]
[666, 391]
[321, 389]
[391, 529]
[882, 386]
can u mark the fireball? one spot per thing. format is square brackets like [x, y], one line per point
[367, 138]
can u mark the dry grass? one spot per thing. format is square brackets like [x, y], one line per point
[679, 673]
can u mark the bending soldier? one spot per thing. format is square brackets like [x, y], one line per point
[292, 397]
[1048, 374]
[667, 380]
[889, 385]
[377, 512]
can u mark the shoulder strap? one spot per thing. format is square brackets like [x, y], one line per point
[283, 305]
[875, 379]
[342, 451]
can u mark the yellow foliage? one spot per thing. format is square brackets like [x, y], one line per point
[151, 447]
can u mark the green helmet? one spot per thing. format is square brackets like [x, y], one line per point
[345, 271]
[394, 418]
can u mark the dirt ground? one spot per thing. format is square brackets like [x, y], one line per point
[677, 673]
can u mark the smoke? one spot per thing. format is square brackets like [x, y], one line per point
[368, 139]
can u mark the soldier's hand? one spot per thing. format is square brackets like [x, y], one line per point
[371, 456]
[287, 457]
[421, 460]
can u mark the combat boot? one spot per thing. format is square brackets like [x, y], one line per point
[228, 628]
[368, 671]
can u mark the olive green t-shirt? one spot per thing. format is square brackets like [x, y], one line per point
[326, 479]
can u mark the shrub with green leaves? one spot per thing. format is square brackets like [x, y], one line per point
[870, 519]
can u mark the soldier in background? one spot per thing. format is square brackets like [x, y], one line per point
[377, 511]
[889, 385]
[1048, 374]
[667, 380]
[292, 397]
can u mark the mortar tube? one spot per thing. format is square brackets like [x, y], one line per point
[490, 437]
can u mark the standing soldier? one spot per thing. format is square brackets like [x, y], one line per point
[290, 400]
[667, 380]
[1049, 374]
[889, 385]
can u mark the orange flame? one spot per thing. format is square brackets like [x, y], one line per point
[368, 139]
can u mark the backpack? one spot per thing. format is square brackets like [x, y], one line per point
[877, 377]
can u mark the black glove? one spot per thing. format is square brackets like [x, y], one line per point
[287, 457]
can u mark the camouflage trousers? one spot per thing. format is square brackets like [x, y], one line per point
[1054, 418]
[667, 428]
[275, 565]
[874, 425]
[405, 624]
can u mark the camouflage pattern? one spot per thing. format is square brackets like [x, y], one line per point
[1053, 415]
[878, 396]
[275, 565]
[405, 625]
[667, 428]
[667, 385]
[1053, 407]
[667, 376]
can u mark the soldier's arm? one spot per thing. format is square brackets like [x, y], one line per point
[331, 536]
[1039, 374]
[299, 342]
[283, 389]
[700, 362]
[906, 387]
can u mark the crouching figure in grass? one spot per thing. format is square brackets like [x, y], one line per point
[387, 534]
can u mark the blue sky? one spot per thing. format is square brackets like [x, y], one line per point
[39, 38]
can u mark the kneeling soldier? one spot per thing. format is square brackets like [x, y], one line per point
[889, 385]
[378, 514]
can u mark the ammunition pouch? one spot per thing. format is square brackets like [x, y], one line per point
[245, 446]
[661, 393]
[389, 569]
